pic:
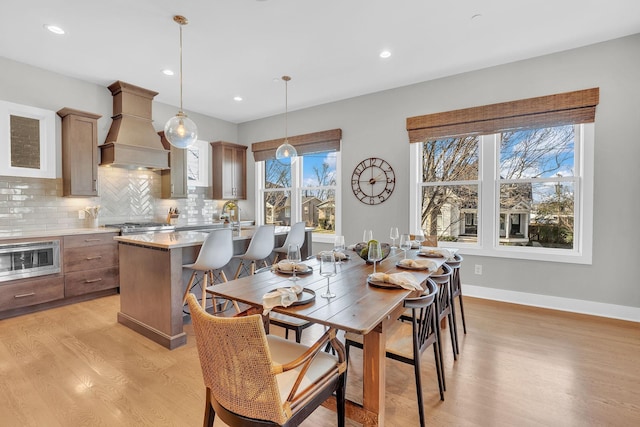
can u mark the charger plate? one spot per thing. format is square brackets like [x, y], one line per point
[306, 296]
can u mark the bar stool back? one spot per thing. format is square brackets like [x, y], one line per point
[295, 237]
[215, 253]
[260, 247]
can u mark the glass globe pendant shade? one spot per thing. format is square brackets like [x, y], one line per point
[181, 131]
[286, 151]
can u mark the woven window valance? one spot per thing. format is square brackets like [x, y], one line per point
[327, 140]
[552, 110]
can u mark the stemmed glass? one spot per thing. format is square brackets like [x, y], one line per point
[405, 243]
[338, 246]
[293, 255]
[327, 269]
[393, 235]
[367, 236]
[375, 254]
[419, 238]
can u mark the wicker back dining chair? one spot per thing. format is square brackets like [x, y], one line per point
[407, 341]
[255, 379]
[456, 291]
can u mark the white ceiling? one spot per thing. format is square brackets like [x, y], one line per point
[329, 47]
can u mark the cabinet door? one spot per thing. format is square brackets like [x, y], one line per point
[79, 153]
[239, 174]
[174, 180]
[229, 170]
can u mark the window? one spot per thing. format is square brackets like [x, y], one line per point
[302, 189]
[305, 188]
[522, 192]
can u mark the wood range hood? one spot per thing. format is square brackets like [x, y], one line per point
[132, 142]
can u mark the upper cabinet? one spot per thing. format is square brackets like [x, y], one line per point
[229, 170]
[174, 180]
[79, 153]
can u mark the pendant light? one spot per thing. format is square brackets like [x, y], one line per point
[181, 131]
[286, 150]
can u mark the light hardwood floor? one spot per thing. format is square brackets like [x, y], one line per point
[519, 366]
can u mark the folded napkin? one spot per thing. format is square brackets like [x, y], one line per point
[405, 280]
[286, 265]
[419, 263]
[281, 296]
[445, 253]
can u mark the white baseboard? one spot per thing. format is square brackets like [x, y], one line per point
[613, 311]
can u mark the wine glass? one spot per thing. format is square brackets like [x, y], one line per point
[405, 243]
[338, 246]
[327, 269]
[393, 235]
[367, 236]
[293, 255]
[375, 254]
[419, 238]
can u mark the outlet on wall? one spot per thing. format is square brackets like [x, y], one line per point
[478, 269]
[81, 214]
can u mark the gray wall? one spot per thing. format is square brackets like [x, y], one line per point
[374, 125]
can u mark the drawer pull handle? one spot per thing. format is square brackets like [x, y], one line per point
[93, 280]
[92, 240]
[89, 258]
[25, 295]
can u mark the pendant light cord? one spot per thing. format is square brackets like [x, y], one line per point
[181, 67]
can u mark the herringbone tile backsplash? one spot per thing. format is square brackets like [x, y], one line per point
[32, 204]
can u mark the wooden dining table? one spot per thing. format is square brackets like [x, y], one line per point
[358, 307]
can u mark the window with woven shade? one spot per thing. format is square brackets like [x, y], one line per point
[513, 179]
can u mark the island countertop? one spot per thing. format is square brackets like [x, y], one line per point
[181, 239]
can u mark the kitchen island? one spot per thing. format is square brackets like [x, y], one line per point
[152, 280]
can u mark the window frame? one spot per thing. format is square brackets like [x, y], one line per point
[296, 190]
[488, 243]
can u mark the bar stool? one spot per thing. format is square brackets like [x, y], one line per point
[260, 247]
[456, 290]
[215, 253]
[295, 237]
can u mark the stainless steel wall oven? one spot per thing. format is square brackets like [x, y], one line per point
[29, 259]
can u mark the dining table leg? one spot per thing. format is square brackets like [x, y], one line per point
[374, 376]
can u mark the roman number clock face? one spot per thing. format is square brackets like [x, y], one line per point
[373, 181]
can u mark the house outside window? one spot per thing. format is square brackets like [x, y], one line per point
[302, 189]
[525, 191]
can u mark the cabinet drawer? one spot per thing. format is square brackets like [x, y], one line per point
[84, 282]
[87, 258]
[31, 292]
[84, 240]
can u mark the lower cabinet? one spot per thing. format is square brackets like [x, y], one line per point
[89, 266]
[31, 292]
[90, 263]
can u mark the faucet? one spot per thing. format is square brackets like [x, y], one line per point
[231, 207]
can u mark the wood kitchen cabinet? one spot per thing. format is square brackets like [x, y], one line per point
[229, 170]
[90, 263]
[174, 180]
[79, 153]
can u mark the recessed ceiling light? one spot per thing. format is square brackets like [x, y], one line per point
[167, 72]
[54, 29]
[237, 98]
[385, 54]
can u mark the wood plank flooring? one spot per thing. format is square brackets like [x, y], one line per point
[519, 366]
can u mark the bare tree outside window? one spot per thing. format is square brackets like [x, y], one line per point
[536, 187]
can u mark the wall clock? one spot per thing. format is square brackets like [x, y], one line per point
[373, 181]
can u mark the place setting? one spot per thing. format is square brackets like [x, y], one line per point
[292, 265]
